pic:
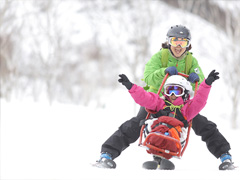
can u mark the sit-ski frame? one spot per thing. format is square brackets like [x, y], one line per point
[149, 146]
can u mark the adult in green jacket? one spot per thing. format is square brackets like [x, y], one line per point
[155, 71]
[179, 59]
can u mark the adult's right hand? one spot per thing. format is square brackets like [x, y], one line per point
[171, 70]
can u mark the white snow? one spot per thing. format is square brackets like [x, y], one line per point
[39, 141]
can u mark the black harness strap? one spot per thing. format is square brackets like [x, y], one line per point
[178, 114]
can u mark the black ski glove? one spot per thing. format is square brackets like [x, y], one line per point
[212, 77]
[125, 81]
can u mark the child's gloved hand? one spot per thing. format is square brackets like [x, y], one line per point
[171, 70]
[125, 81]
[212, 77]
[193, 77]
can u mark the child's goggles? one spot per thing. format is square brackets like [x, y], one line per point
[174, 89]
[183, 42]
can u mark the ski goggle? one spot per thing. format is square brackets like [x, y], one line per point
[175, 41]
[174, 89]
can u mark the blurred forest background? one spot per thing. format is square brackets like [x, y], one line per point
[72, 51]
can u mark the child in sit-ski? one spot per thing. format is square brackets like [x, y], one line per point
[177, 102]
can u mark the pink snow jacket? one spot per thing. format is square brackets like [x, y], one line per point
[153, 102]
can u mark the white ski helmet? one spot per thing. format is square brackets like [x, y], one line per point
[180, 81]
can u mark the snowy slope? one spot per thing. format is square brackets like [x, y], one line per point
[39, 141]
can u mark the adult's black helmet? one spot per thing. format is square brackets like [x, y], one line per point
[179, 31]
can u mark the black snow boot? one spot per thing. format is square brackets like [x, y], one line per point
[227, 163]
[159, 163]
[105, 161]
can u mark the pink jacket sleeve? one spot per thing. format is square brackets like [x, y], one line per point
[195, 105]
[146, 99]
[153, 102]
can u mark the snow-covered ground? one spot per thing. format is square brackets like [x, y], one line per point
[39, 141]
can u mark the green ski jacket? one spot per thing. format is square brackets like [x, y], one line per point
[154, 72]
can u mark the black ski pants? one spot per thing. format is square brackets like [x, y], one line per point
[129, 132]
